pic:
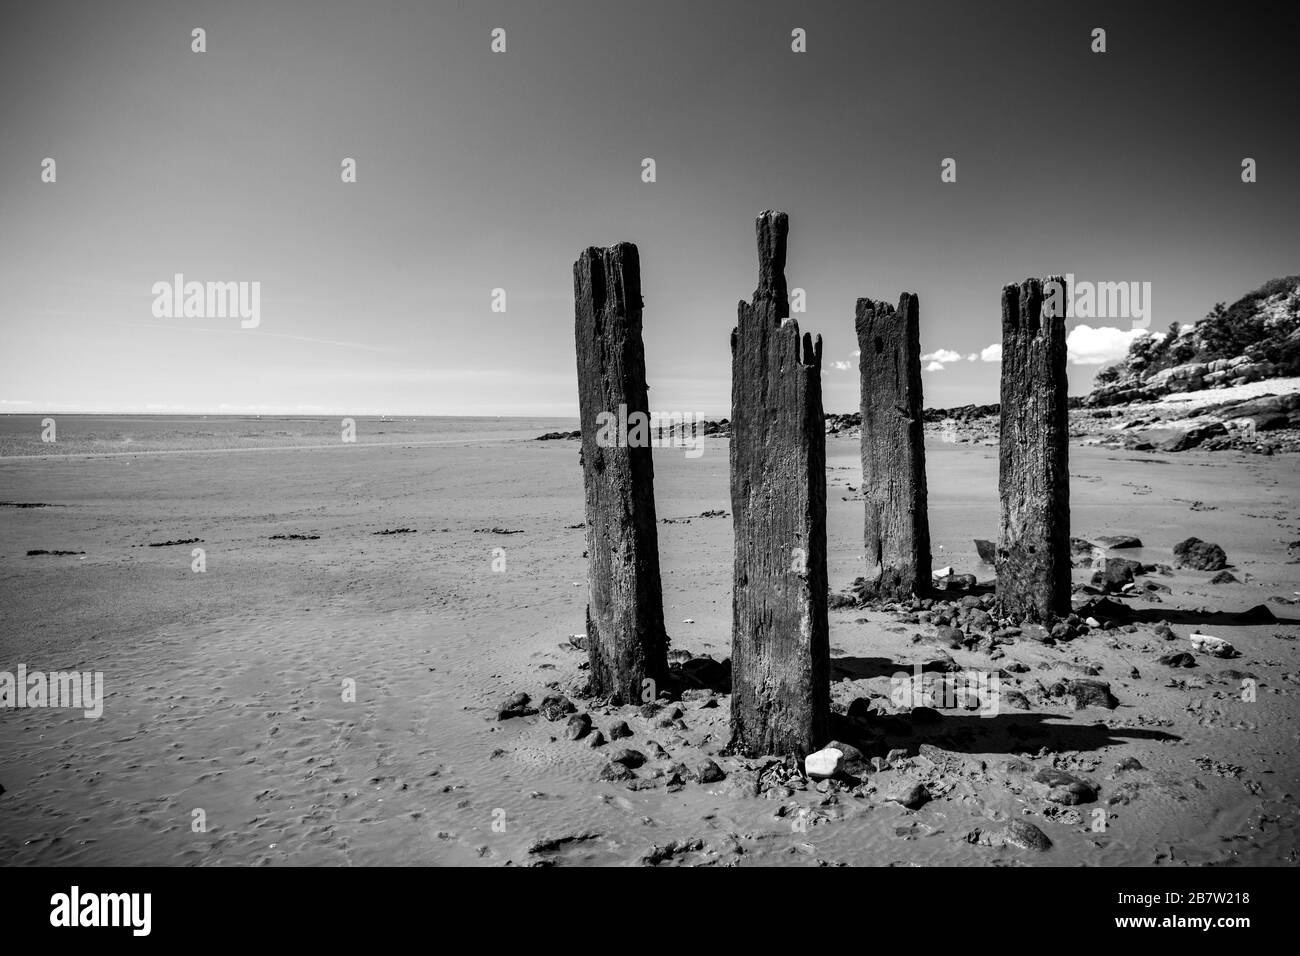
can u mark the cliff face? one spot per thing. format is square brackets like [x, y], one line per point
[1257, 337]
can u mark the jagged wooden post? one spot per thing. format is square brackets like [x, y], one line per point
[897, 526]
[1033, 560]
[626, 642]
[780, 650]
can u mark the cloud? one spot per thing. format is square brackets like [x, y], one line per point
[1088, 346]
[992, 354]
[939, 359]
[972, 357]
[943, 355]
[842, 366]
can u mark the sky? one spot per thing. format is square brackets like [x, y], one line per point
[478, 171]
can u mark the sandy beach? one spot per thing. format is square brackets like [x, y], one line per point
[225, 691]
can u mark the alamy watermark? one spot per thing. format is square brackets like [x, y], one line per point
[179, 299]
[1099, 300]
[64, 689]
[624, 429]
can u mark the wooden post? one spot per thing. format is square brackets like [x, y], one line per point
[780, 654]
[1034, 469]
[626, 642]
[897, 526]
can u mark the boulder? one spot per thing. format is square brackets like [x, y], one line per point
[1214, 646]
[516, 705]
[1199, 555]
[824, 764]
[579, 726]
[909, 794]
[1090, 693]
[556, 706]
[1116, 541]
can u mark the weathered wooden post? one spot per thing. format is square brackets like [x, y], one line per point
[897, 527]
[1033, 560]
[780, 650]
[626, 642]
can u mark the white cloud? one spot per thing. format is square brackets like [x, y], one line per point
[943, 355]
[992, 354]
[934, 367]
[1089, 346]
[857, 352]
[972, 357]
[842, 366]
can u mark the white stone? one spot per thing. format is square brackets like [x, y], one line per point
[824, 763]
[1214, 646]
[941, 573]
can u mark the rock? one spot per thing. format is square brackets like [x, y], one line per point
[895, 757]
[705, 672]
[614, 772]
[925, 715]
[1024, 835]
[1115, 573]
[1014, 698]
[579, 726]
[955, 582]
[943, 572]
[1116, 541]
[620, 730]
[657, 752]
[596, 739]
[1036, 632]
[1066, 788]
[909, 794]
[1193, 436]
[1200, 555]
[1224, 577]
[854, 761]
[1214, 646]
[1079, 547]
[628, 758]
[1177, 659]
[824, 764]
[987, 551]
[1129, 763]
[556, 706]
[1090, 693]
[708, 771]
[950, 636]
[516, 705]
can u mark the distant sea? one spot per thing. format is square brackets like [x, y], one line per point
[21, 435]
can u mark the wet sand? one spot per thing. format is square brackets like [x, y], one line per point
[225, 689]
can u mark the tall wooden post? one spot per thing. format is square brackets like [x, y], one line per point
[1033, 560]
[897, 526]
[626, 642]
[780, 653]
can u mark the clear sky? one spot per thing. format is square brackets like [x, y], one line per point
[479, 170]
